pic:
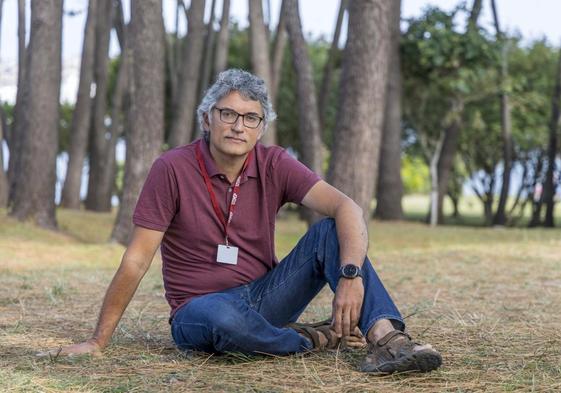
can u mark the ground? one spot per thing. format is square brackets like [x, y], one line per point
[487, 299]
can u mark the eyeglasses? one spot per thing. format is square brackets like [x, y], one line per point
[229, 116]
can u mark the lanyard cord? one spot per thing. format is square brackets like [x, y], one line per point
[235, 192]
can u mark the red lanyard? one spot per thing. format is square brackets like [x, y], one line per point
[235, 191]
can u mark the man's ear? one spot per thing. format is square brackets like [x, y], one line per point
[206, 122]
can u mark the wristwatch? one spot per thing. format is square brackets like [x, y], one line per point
[350, 271]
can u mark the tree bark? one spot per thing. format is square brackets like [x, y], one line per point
[500, 217]
[34, 193]
[474, 14]
[389, 190]
[260, 60]
[208, 51]
[308, 115]
[279, 47]
[435, 178]
[354, 164]
[449, 149]
[146, 115]
[81, 118]
[452, 130]
[109, 170]
[223, 39]
[550, 184]
[18, 128]
[537, 197]
[184, 108]
[96, 199]
[328, 68]
[4, 191]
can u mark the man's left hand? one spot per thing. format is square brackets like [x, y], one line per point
[347, 305]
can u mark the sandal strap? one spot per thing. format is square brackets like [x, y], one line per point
[308, 332]
[332, 340]
[390, 336]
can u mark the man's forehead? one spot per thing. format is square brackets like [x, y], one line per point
[239, 102]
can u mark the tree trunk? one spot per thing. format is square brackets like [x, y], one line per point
[354, 163]
[310, 133]
[279, 47]
[18, 128]
[223, 40]
[328, 68]
[208, 50]
[260, 60]
[449, 149]
[550, 185]
[34, 193]
[389, 190]
[435, 180]
[308, 115]
[4, 188]
[81, 118]
[537, 193]
[96, 199]
[184, 108]
[4, 191]
[146, 115]
[109, 170]
[474, 14]
[506, 128]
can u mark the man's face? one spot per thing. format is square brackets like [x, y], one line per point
[236, 139]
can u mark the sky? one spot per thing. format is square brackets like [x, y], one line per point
[532, 19]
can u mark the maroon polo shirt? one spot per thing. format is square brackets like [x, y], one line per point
[175, 200]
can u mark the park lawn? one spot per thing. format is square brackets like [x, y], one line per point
[488, 299]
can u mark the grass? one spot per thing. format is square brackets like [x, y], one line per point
[488, 299]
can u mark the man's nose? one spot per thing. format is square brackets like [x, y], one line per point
[238, 124]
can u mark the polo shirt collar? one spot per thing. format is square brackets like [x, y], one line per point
[212, 170]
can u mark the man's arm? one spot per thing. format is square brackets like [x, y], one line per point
[353, 243]
[134, 265]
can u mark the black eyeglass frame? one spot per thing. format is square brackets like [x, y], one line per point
[220, 110]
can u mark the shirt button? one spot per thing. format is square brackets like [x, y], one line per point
[229, 189]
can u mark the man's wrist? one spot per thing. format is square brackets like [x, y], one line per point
[350, 271]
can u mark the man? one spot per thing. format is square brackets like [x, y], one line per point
[211, 205]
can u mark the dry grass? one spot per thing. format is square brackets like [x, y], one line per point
[488, 299]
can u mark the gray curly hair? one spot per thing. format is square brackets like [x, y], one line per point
[247, 84]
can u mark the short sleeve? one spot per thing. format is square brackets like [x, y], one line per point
[157, 203]
[294, 178]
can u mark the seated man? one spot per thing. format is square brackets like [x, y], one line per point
[212, 205]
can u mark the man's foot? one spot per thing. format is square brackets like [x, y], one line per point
[323, 337]
[396, 352]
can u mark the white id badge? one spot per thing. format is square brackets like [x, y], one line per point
[227, 254]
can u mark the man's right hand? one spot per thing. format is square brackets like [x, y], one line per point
[90, 347]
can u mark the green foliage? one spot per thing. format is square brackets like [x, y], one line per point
[238, 52]
[65, 123]
[441, 66]
[414, 174]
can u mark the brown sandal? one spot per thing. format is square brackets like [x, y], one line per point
[310, 331]
[395, 353]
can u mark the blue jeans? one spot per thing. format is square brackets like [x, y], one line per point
[251, 318]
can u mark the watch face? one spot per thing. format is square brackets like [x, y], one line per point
[350, 271]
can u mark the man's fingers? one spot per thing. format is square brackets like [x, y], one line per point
[346, 322]
[355, 318]
[337, 321]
